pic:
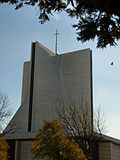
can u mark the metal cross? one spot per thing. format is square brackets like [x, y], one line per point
[56, 34]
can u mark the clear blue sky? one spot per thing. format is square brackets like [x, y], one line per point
[19, 28]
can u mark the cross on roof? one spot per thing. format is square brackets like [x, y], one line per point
[56, 34]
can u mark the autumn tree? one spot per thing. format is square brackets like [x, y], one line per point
[3, 149]
[52, 143]
[77, 120]
[98, 20]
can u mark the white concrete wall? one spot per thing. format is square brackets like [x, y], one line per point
[109, 151]
[67, 75]
[115, 151]
[19, 122]
[75, 72]
[64, 76]
[25, 82]
[45, 87]
[104, 151]
[23, 150]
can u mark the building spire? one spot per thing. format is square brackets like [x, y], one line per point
[56, 36]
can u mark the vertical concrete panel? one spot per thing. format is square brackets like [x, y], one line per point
[115, 151]
[104, 151]
[25, 149]
[25, 81]
[19, 122]
[45, 87]
[75, 78]
[109, 151]
[76, 74]
[17, 149]
[59, 76]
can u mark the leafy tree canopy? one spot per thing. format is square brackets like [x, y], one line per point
[3, 149]
[96, 19]
[52, 143]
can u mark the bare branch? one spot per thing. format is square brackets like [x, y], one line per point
[100, 125]
[75, 116]
[4, 111]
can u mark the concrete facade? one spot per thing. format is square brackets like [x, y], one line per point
[46, 78]
[109, 149]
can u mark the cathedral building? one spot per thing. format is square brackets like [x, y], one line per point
[46, 78]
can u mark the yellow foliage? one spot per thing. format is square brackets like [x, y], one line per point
[52, 143]
[3, 149]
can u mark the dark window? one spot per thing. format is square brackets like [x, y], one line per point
[11, 151]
